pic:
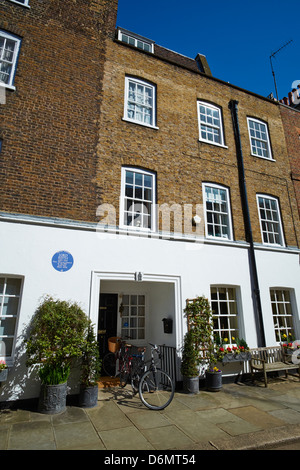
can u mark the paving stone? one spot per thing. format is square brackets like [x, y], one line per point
[108, 416]
[194, 426]
[216, 416]
[287, 416]
[4, 434]
[149, 419]
[72, 414]
[31, 436]
[128, 438]
[77, 436]
[237, 427]
[259, 418]
[167, 437]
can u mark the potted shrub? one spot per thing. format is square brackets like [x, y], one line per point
[3, 371]
[90, 370]
[56, 336]
[190, 364]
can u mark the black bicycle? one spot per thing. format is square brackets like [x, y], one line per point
[156, 388]
[125, 363]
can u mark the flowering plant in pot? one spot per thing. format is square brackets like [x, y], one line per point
[3, 371]
[213, 379]
[90, 370]
[57, 334]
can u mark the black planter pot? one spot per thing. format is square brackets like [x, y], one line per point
[53, 398]
[213, 381]
[191, 385]
[88, 396]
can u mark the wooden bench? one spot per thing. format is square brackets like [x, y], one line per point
[271, 359]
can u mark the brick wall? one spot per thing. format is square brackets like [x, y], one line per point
[291, 123]
[48, 125]
[174, 152]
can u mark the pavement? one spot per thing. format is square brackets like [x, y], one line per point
[241, 416]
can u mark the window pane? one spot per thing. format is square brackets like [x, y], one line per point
[259, 139]
[270, 221]
[13, 287]
[282, 315]
[138, 199]
[211, 127]
[133, 324]
[225, 313]
[10, 306]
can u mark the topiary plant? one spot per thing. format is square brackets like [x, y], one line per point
[190, 357]
[91, 363]
[58, 332]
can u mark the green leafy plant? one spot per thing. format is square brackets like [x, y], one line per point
[200, 324]
[190, 356]
[91, 363]
[57, 335]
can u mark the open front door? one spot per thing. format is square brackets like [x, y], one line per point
[107, 321]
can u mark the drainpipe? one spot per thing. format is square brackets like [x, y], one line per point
[233, 105]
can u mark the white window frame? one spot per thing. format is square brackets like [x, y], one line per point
[283, 314]
[135, 40]
[217, 214]
[15, 316]
[227, 316]
[209, 110]
[24, 3]
[259, 138]
[130, 311]
[143, 104]
[17, 40]
[139, 201]
[270, 218]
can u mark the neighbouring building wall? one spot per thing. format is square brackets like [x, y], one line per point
[291, 123]
[48, 124]
[172, 149]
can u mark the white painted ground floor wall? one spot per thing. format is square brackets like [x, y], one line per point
[172, 271]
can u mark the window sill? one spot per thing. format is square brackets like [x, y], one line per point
[20, 4]
[9, 87]
[263, 158]
[213, 143]
[139, 123]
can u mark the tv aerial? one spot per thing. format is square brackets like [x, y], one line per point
[272, 56]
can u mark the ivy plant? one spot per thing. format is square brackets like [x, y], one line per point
[200, 325]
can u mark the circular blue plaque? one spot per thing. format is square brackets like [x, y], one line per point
[62, 261]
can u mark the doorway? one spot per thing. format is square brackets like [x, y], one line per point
[107, 320]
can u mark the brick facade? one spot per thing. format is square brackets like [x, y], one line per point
[291, 124]
[174, 151]
[64, 140]
[48, 124]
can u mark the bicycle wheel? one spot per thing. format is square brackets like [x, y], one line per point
[135, 380]
[156, 389]
[109, 364]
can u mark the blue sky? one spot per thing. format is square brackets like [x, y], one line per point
[237, 37]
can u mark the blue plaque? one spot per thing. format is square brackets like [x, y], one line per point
[62, 261]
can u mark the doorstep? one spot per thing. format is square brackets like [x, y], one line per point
[107, 382]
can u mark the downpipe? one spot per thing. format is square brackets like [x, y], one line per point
[233, 106]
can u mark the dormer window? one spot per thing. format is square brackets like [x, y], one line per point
[135, 40]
